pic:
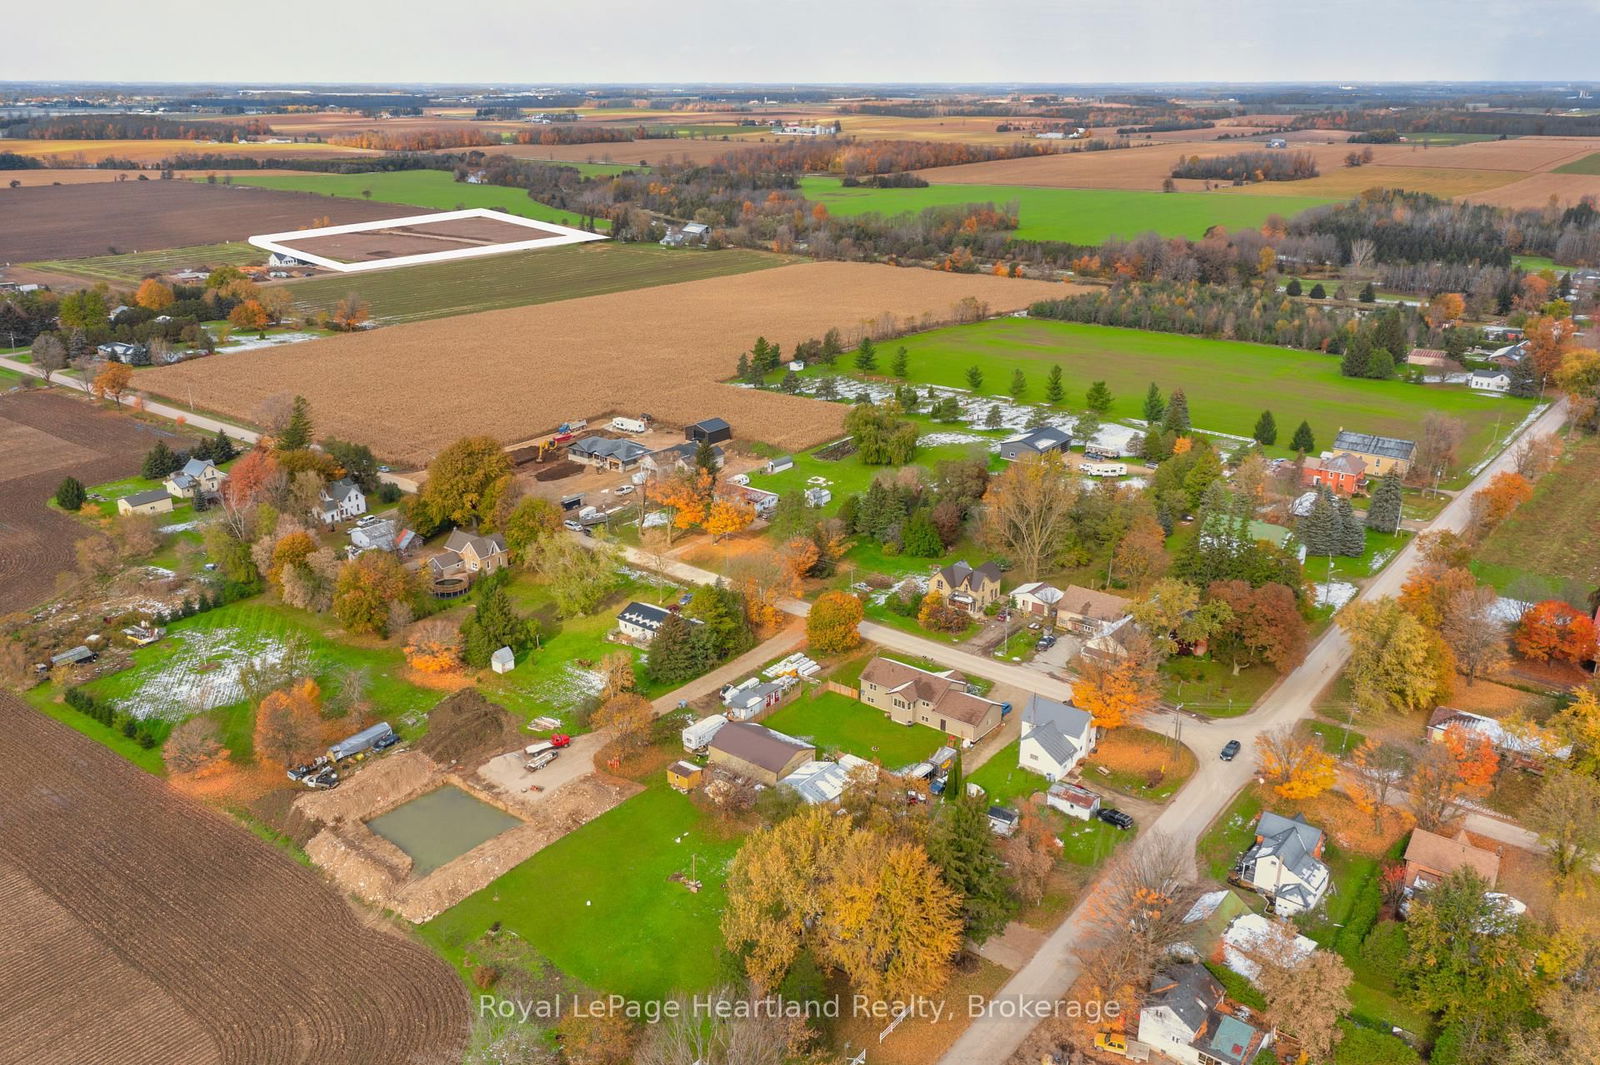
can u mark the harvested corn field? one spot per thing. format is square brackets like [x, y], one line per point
[410, 390]
[142, 928]
[1537, 190]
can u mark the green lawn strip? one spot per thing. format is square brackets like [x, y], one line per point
[516, 279]
[133, 266]
[598, 903]
[1228, 383]
[1005, 783]
[1588, 164]
[1208, 687]
[435, 189]
[837, 722]
[1336, 739]
[43, 698]
[1079, 216]
[1228, 836]
[1088, 843]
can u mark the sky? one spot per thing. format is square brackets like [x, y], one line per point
[804, 41]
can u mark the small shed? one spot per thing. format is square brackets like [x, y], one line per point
[1072, 800]
[1003, 821]
[503, 660]
[818, 497]
[155, 501]
[711, 430]
[682, 776]
[74, 657]
[781, 463]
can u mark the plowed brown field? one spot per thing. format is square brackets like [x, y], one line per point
[409, 390]
[139, 928]
[1536, 190]
[88, 153]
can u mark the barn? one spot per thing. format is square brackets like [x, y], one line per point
[711, 430]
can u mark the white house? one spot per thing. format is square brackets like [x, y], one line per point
[1036, 599]
[1055, 737]
[1184, 1018]
[1284, 864]
[199, 477]
[340, 500]
[1489, 381]
[818, 497]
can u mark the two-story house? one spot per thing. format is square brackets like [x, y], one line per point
[1056, 737]
[912, 696]
[970, 589]
[1380, 453]
[1284, 864]
[198, 479]
[1186, 1017]
[340, 500]
[469, 553]
[1089, 613]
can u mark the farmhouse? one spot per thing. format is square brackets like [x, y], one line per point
[639, 622]
[1341, 473]
[678, 458]
[1528, 750]
[912, 696]
[606, 453]
[1037, 442]
[1186, 1017]
[198, 479]
[1380, 453]
[1489, 381]
[710, 430]
[1036, 599]
[1284, 864]
[817, 496]
[116, 351]
[971, 589]
[155, 501]
[1089, 613]
[1055, 737]
[466, 552]
[1431, 857]
[340, 501]
[757, 753]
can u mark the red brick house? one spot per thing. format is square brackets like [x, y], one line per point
[1343, 473]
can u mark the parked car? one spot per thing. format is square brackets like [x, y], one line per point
[624, 489]
[1114, 817]
[1230, 749]
[560, 739]
[574, 526]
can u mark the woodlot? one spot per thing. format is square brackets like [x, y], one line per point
[410, 390]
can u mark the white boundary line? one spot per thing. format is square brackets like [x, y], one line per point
[279, 242]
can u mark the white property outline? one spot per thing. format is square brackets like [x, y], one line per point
[564, 235]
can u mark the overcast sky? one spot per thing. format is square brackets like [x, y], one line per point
[812, 41]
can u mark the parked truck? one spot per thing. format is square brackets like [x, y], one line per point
[540, 761]
[377, 738]
[700, 734]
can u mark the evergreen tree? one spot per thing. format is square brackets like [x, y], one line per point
[1352, 535]
[297, 434]
[1353, 361]
[992, 420]
[674, 657]
[831, 347]
[790, 383]
[222, 449]
[1318, 292]
[70, 494]
[1098, 398]
[1038, 417]
[493, 625]
[1086, 426]
[1318, 530]
[921, 537]
[964, 848]
[1053, 391]
[1524, 383]
[1380, 365]
[1176, 420]
[1303, 442]
[720, 609]
[1383, 510]
[1019, 383]
[773, 360]
[869, 512]
[1266, 429]
[1368, 294]
[955, 784]
[1154, 406]
[742, 370]
[866, 356]
[974, 378]
[705, 457]
[1293, 287]
[158, 462]
[758, 355]
[901, 364]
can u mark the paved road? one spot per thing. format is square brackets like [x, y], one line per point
[1050, 973]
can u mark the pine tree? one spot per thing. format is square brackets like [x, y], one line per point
[1098, 398]
[1293, 287]
[992, 420]
[773, 360]
[1154, 406]
[975, 378]
[921, 537]
[1019, 383]
[866, 356]
[1352, 534]
[492, 626]
[1383, 510]
[968, 857]
[1266, 429]
[831, 347]
[955, 785]
[158, 462]
[673, 657]
[790, 383]
[1303, 442]
[70, 494]
[1318, 292]
[1176, 420]
[742, 370]
[705, 457]
[222, 449]
[1380, 365]
[1053, 391]
[1368, 294]
[1319, 529]
[901, 364]
[297, 434]
[1038, 417]
[1353, 361]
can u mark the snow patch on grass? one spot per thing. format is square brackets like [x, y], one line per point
[204, 675]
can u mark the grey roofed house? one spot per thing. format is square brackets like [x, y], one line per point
[1189, 991]
[154, 495]
[606, 449]
[73, 657]
[1371, 444]
[335, 492]
[961, 575]
[1063, 732]
[1293, 844]
[1037, 441]
[680, 455]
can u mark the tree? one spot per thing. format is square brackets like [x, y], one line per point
[1472, 629]
[1396, 663]
[630, 718]
[1266, 430]
[1176, 418]
[49, 354]
[965, 849]
[1306, 993]
[1475, 759]
[1293, 288]
[727, 516]
[250, 316]
[1384, 508]
[1318, 292]
[680, 651]
[112, 381]
[433, 646]
[1028, 510]
[296, 435]
[1434, 787]
[194, 749]
[1468, 957]
[975, 378]
[922, 540]
[1369, 294]
[832, 626]
[1116, 691]
[289, 729]
[1098, 398]
[688, 496]
[1579, 725]
[866, 356]
[1493, 503]
[492, 625]
[1567, 818]
[1053, 390]
[468, 484]
[1554, 629]
[356, 460]
[900, 364]
[349, 314]
[153, 295]
[1136, 916]
[579, 576]
[1174, 616]
[367, 587]
[84, 309]
[882, 437]
[1031, 853]
[1141, 557]
[1438, 444]
[1444, 308]
[251, 479]
[1296, 768]
[530, 522]
[158, 462]
[1263, 625]
[1303, 441]
[70, 494]
[1376, 769]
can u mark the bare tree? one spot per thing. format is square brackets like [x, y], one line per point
[1136, 914]
[49, 354]
[1536, 455]
[1438, 446]
[1469, 625]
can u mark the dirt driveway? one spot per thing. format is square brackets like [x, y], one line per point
[507, 775]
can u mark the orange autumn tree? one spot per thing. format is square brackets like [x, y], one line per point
[1296, 768]
[153, 295]
[1115, 691]
[688, 496]
[1505, 493]
[249, 477]
[832, 624]
[250, 316]
[1476, 761]
[1445, 308]
[289, 725]
[433, 646]
[111, 382]
[1554, 629]
[724, 517]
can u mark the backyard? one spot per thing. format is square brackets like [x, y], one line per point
[837, 722]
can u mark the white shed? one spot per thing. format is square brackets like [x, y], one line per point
[503, 660]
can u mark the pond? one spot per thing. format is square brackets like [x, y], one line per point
[440, 826]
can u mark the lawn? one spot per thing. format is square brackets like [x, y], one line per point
[1209, 687]
[465, 286]
[1078, 216]
[598, 903]
[1005, 783]
[1139, 763]
[1547, 546]
[1381, 547]
[136, 265]
[837, 722]
[1228, 383]
[1229, 835]
[436, 190]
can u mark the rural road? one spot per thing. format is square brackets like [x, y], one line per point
[1034, 990]
[161, 410]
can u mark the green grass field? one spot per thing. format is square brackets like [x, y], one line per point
[435, 189]
[1548, 544]
[837, 722]
[598, 903]
[1589, 164]
[1003, 781]
[1228, 383]
[135, 266]
[466, 286]
[1079, 216]
[1209, 687]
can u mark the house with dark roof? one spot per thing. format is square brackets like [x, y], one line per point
[639, 622]
[469, 553]
[757, 753]
[676, 459]
[711, 430]
[1036, 442]
[1380, 453]
[1284, 864]
[1056, 737]
[912, 696]
[970, 589]
[340, 500]
[1187, 1017]
[118, 351]
[608, 453]
[198, 478]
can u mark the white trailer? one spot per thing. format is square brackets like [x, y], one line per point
[1105, 469]
[543, 760]
[629, 425]
[700, 734]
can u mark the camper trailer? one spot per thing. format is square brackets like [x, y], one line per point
[700, 734]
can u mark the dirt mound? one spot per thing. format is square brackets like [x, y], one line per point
[467, 729]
